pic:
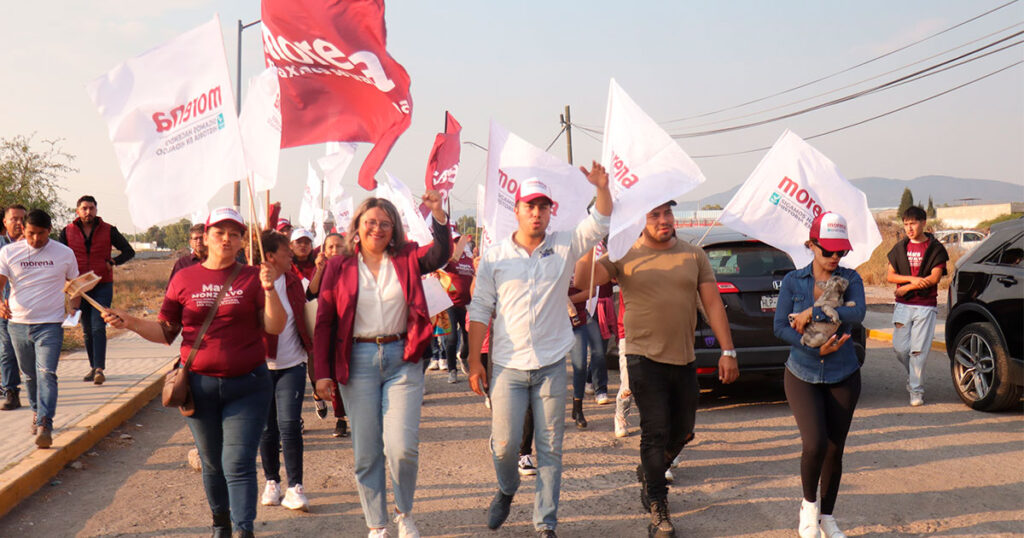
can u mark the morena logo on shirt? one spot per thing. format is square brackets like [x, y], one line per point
[40, 263]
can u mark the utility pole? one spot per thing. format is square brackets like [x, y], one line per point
[567, 123]
[238, 98]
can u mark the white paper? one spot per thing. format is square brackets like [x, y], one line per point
[437, 299]
[72, 319]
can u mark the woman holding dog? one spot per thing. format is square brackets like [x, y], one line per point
[229, 379]
[822, 384]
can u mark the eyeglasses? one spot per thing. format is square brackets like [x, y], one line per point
[829, 253]
[382, 224]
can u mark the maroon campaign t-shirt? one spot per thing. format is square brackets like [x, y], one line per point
[233, 344]
[462, 273]
[915, 255]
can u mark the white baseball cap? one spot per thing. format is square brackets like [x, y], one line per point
[300, 233]
[225, 213]
[531, 189]
[830, 231]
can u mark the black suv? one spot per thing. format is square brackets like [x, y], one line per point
[986, 318]
[749, 275]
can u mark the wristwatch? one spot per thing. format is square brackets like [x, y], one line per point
[729, 353]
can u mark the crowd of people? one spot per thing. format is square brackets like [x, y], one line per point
[351, 316]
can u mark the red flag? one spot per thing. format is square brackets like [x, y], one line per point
[443, 163]
[338, 82]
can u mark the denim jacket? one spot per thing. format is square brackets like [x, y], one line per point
[797, 295]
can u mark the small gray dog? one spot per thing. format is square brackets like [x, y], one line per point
[816, 333]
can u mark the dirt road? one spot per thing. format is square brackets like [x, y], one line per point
[940, 469]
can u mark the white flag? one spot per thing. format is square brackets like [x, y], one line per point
[646, 168]
[399, 194]
[342, 211]
[312, 201]
[170, 115]
[484, 241]
[333, 165]
[792, 185]
[512, 160]
[260, 123]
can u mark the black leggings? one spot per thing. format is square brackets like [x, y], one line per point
[823, 413]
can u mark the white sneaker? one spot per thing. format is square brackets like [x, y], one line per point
[602, 398]
[271, 494]
[809, 512]
[295, 499]
[379, 533]
[621, 430]
[526, 465]
[432, 365]
[668, 475]
[916, 399]
[487, 401]
[406, 526]
[829, 528]
[588, 388]
[442, 365]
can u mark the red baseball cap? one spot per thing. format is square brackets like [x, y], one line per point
[223, 214]
[531, 189]
[282, 223]
[830, 231]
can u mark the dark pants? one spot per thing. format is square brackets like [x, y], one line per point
[94, 329]
[229, 419]
[666, 396]
[457, 317]
[823, 414]
[283, 431]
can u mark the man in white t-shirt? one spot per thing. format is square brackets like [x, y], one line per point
[37, 270]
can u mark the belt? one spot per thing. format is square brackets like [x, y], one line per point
[382, 339]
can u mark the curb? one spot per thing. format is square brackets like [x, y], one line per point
[33, 472]
[886, 336]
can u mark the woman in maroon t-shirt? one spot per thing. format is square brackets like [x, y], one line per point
[229, 379]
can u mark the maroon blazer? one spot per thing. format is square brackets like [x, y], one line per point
[297, 300]
[339, 287]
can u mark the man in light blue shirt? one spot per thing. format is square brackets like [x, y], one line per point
[523, 282]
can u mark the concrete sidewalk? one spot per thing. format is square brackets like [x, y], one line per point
[85, 413]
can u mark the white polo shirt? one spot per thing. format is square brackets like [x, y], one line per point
[37, 277]
[527, 294]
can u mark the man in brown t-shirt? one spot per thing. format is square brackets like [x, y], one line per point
[663, 278]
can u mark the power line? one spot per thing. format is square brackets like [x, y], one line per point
[557, 136]
[846, 98]
[891, 71]
[861, 64]
[861, 122]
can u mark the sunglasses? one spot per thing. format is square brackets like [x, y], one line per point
[829, 253]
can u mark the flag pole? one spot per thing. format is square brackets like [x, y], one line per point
[713, 223]
[252, 209]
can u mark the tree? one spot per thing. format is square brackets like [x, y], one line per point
[711, 206]
[176, 235]
[466, 224]
[906, 201]
[32, 177]
[931, 208]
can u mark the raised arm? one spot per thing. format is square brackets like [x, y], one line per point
[435, 256]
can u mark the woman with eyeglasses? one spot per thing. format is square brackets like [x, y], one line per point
[822, 384]
[372, 327]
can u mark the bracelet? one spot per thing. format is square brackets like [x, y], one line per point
[268, 289]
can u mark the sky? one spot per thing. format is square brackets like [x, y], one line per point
[520, 63]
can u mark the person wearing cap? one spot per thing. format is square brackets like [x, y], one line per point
[229, 380]
[303, 261]
[92, 239]
[372, 326]
[822, 384]
[916, 264]
[663, 279]
[284, 226]
[523, 282]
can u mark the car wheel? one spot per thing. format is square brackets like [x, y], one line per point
[980, 367]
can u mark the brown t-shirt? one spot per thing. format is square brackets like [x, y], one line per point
[662, 285]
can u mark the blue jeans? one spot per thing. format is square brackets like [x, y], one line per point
[383, 397]
[457, 316]
[94, 329]
[588, 337]
[229, 419]
[10, 377]
[37, 347]
[913, 329]
[511, 392]
[283, 431]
